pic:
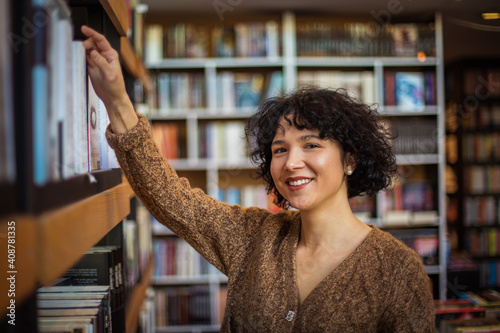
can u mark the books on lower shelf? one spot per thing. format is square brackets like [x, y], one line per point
[413, 135]
[424, 241]
[175, 257]
[482, 179]
[480, 116]
[183, 306]
[481, 211]
[481, 147]
[70, 308]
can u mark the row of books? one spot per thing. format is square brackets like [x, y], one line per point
[62, 309]
[175, 257]
[413, 195]
[184, 40]
[373, 38]
[223, 140]
[360, 84]
[138, 245]
[167, 136]
[489, 274]
[481, 116]
[481, 147]
[424, 241]
[245, 91]
[482, 179]
[482, 82]
[481, 211]
[103, 265]
[69, 120]
[413, 136]
[472, 312]
[484, 242]
[189, 305]
[247, 196]
[179, 91]
[410, 91]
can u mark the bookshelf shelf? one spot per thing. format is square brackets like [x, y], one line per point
[117, 12]
[202, 114]
[394, 111]
[475, 138]
[186, 63]
[425, 161]
[64, 205]
[210, 164]
[66, 234]
[133, 64]
[417, 159]
[363, 61]
[25, 263]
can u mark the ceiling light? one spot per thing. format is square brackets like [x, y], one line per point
[491, 16]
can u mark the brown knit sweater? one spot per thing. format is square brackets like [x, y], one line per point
[381, 287]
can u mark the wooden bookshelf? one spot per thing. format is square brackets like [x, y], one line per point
[68, 215]
[292, 64]
[66, 234]
[25, 263]
[117, 12]
[133, 64]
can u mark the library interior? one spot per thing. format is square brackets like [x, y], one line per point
[81, 249]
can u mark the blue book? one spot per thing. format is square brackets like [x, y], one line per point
[410, 94]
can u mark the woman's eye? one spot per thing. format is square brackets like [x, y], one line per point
[278, 151]
[312, 145]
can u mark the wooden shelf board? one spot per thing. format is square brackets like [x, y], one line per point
[137, 298]
[66, 234]
[25, 260]
[117, 12]
[133, 64]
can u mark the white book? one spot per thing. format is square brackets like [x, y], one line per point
[368, 87]
[80, 143]
[153, 50]
[103, 143]
[272, 39]
[93, 128]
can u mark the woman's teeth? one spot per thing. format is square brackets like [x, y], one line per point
[299, 182]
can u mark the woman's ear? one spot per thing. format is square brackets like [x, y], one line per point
[350, 164]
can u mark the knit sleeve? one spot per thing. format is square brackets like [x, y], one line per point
[411, 308]
[218, 231]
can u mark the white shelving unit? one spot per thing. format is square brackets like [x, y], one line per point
[291, 64]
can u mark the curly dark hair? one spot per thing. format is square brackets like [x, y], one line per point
[355, 126]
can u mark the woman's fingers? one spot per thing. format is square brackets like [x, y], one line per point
[99, 40]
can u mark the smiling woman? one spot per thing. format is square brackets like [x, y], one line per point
[331, 115]
[313, 269]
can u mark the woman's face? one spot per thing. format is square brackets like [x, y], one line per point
[307, 170]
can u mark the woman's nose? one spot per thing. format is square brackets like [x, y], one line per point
[294, 160]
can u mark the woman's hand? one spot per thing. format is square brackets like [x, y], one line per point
[107, 79]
